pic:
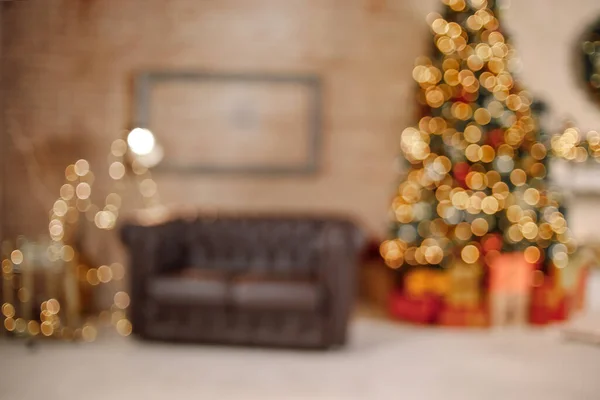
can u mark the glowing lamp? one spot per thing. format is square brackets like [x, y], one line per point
[141, 141]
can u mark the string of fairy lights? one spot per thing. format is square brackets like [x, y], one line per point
[478, 158]
[138, 154]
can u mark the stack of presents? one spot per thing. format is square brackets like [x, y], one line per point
[509, 291]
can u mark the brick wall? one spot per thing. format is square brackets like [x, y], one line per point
[67, 69]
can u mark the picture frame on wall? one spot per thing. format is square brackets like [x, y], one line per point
[232, 123]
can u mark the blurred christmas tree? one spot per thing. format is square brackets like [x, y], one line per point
[476, 185]
[478, 235]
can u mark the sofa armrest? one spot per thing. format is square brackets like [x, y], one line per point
[340, 250]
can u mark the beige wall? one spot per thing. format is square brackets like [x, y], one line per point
[546, 34]
[68, 66]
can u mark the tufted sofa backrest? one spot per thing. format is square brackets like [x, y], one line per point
[271, 245]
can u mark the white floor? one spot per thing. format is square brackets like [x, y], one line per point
[384, 361]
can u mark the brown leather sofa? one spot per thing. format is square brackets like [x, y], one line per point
[280, 281]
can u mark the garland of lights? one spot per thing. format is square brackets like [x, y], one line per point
[590, 52]
[138, 153]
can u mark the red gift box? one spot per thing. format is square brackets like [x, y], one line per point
[540, 316]
[548, 304]
[544, 315]
[562, 310]
[422, 310]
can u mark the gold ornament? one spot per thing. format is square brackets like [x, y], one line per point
[470, 254]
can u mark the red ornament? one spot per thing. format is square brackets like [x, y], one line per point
[460, 171]
[495, 138]
[467, 97]
[492, 242]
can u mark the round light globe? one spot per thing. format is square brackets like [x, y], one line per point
[141, 141]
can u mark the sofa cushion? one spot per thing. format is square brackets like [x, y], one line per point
[183, 290]
[275, 295]
[202, 274]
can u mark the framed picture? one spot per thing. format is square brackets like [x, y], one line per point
[232, 123]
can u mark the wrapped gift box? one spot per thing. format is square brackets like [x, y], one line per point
[574, 277]
[426, 282]
[510, 283]
[579, 295]
[376, 283]
[465, 289]
[463, 316]
[549, 303]
[423, 310]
